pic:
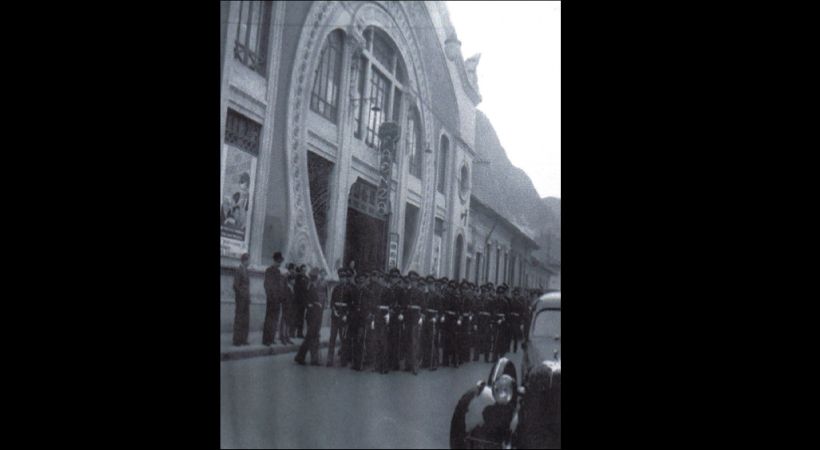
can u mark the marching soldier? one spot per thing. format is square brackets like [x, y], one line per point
[394, 326]
[428, 329]
[358, 317]
[339, 303]
[483, 324]
[502, 343]
[381, 324]
[449, 324]
[465, 309]
[517, 313]
[412, 323]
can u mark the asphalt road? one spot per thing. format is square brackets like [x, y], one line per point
[271, 402]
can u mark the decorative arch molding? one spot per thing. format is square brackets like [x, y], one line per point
[395, 19]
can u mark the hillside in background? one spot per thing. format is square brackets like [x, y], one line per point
[510, 192]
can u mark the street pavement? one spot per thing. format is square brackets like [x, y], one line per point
[271, 402]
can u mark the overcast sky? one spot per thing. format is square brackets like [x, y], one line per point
[519, 76]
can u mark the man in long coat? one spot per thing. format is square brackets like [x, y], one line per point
[242, 294]
[275, 287]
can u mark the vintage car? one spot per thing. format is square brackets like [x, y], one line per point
[512, 409]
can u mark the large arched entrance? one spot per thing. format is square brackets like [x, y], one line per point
[366, 234]
[457, 255]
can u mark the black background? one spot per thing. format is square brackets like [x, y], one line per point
[131, 341]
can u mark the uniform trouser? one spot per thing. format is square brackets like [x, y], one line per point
[393, 341]
[311, 342]
[448, 341]
[498, 340]
[380, 354]
[271, 322]
[241, 320]
[428, 341]
[337, 329]
[357, 334]
[412, 331]
[466, 339]
[484, 344]
[370, 341]
[460, 332]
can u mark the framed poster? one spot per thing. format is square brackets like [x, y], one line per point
[238, 180]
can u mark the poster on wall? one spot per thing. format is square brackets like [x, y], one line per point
[238, 178]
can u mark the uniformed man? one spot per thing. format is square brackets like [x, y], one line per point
[502, 343]
[374, 297]
[395, 292]
[412, 321]
[517, 316]
[339, 304]
[428, 328]
[242, 296]
[483, 324]
[358, 318]
[450, 324]
[313, 314]
[381, 323]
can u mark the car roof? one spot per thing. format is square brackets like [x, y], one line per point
[549, 300]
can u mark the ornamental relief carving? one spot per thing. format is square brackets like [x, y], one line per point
[303, 243]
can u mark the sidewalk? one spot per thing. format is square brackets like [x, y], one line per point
[229, 352]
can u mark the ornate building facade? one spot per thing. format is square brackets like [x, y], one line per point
[306, 88]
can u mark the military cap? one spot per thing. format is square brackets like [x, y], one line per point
[394, 272]
[441, 280]
[465, 283]
[445, 279]
[361, 275]
[430, 279]
[453, 283]
[343, 272]
[412, 274]
[501, 288]
[375, 273]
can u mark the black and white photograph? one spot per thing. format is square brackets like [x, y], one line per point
[390, 224]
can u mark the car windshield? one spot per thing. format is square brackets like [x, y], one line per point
[547, 325]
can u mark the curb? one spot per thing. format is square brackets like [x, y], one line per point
[266, 351]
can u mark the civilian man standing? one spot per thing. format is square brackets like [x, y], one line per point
[275, 286]
[242, 295]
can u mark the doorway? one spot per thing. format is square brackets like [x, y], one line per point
[366, 234]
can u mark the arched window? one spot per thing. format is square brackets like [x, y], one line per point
[444, 149]
[325, 97]
[381, 77]
[414, 142]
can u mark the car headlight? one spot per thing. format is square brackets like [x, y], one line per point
[503, 389]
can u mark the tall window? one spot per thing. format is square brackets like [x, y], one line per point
[252, 34]
[444, 149]
[382, 77]
[324, 99]
[414, 143]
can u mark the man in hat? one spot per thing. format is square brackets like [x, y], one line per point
[242, 296]
[450, 324]
[428, 328]
[483, 319]
[380, 325]
[517, 316]
[463, 323]
[313, 306]
[275, 292]
[395, 293]
[355, 330]
[340, 301]
[300, 289]
[502, 309]
[413, 321]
